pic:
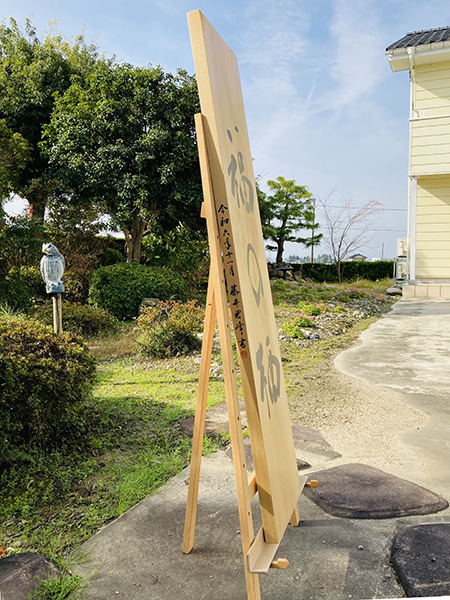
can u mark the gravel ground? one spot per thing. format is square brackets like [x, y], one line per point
[360, 421]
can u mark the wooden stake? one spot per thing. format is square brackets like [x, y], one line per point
[57, 313]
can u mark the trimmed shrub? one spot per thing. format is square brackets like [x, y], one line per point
[120, 288]
[44, 380]
[169, 328]
[82, 319]
[350, 271]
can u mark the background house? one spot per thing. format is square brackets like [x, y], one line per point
[357, 258]
[426, 54]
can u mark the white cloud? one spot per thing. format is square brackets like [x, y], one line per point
[273, 40]
[356, 64]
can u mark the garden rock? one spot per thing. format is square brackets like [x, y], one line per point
[357, 491]
[421, 559]
[20, 574]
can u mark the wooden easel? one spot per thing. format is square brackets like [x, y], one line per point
[258, 554]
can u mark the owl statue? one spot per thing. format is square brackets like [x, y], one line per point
[52, 268]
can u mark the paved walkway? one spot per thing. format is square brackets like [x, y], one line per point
[139, 555]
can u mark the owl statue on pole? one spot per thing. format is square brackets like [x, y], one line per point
[52, 268]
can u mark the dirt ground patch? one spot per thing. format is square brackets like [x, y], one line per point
[360, 421]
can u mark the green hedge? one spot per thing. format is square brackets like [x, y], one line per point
[120, 288]
[44, 379]
[350, 271]
[78, 318]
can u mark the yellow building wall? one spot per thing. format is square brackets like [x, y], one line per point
[430, 123]
[433, 228]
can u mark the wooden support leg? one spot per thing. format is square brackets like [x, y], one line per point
[295, 518]
[199, 424]
[229, 369]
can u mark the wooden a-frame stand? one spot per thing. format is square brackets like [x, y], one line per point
[258, 554]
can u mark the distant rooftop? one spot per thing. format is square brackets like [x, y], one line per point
[419, 38]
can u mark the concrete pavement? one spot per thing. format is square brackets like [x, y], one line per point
[139, 555]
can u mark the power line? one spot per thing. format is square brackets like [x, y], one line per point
[375, 210]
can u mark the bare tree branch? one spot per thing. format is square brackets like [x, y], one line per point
[348, 227]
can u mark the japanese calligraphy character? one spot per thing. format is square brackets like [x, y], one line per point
[254, 273]
[270, 385]
[241, 186]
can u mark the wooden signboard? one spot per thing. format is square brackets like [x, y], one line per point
[236, 210]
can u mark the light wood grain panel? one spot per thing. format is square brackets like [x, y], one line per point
[247, 277]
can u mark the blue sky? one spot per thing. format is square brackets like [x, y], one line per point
[322, 104]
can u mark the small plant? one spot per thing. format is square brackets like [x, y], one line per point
[169, 328]
[293, 328]
[308, 308]
[56, 588]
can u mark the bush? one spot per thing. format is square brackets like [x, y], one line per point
[32, 278]
[111, 256]
[120, 288]
[14, 292]
[85, 320]
[44, 380]
[169, 328]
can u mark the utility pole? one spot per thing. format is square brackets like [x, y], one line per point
[312, 230]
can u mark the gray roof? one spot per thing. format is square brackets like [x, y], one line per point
[419, 38]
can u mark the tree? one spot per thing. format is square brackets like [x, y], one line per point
[348, 227]
[31, 71]
[125, 139]
[14, 155]
[289, 209]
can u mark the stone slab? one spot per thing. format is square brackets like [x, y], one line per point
[357, 491]
[421, 558]
[20, 574]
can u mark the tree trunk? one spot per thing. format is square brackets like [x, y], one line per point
[37, 194]
[338, 267]
[280, 250]
[134, 237]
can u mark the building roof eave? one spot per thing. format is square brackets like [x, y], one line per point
[401, 59]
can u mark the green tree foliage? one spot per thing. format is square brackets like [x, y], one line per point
[124, 138]
[31, 71]
[183, 250]
[289, 209]
[20, 242]
[14, 155]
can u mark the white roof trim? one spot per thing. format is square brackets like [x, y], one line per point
[400, 58]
